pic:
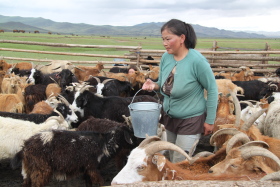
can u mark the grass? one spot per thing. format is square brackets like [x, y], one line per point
[145, 42]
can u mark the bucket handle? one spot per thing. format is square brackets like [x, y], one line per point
[139, 91]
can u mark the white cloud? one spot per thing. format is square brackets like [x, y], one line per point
[223, 14]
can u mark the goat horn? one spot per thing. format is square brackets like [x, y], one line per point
[252, 119]
[106, 80]
[250, 151]
[237, 109]
[60, 115]
[271, 176]
[85, 88]
[97, 79]
[79, 68]
[229, 131]
[192, 149]
[199, 155]
[148, 140]
[240, 137]
[157, 146]
[248, 103]
[63, 99]
[48, 64]
[54, 80]
[57, 68]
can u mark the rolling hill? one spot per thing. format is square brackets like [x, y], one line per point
[8, 23]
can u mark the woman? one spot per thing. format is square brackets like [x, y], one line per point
[184, 74]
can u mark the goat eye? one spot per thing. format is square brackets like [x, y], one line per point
[140, 168]
[234, 166]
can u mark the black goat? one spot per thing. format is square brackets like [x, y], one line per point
[253, 90]
[21, 73]
[110, 86]
[37, 77]
[65, 111]
[65, 78]
[111, 107]
[70, 153]
[105, 126]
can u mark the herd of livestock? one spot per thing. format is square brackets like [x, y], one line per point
[62, 120]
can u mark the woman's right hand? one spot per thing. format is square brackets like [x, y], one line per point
[149, 85]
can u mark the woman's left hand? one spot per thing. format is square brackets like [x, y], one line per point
[208, 129]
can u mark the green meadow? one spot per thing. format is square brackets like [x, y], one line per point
[144, 42]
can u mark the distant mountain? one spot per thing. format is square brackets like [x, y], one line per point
[145, 29]
[10, 26]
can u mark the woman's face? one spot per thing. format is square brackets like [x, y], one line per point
[172, 42]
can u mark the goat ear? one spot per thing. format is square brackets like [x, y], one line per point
[127, 137]
[262, 166]
[159, 161]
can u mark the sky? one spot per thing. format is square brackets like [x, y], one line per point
[235, 15]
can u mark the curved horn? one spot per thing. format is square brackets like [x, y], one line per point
[273, 85]
[85, 88]
[229, 131]
[250, 151]
[252, 119]
[237, 109]
[78, 68]
[148, 140]
[193, 147]
[247, 102]
[60, 115]
[240, 137]
[63, 99]
[199, 155]
[271, 176]
[97, 79]
[57, 68]
[107, 80]
[54, 80]
[157, 146]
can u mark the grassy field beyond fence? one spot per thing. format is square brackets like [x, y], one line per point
[144, 42]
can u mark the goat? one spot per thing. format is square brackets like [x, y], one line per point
[69, 154]
[38, 77]
[34, 94]
[110, 87]
[105, 126]
[144, 165]
[83, 72]
[11, 103]
[111, 107]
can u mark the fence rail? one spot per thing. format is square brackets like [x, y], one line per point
[219, 60]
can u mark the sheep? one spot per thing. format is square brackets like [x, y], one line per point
[65, 154]
[15, 131]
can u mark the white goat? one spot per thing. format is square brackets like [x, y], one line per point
[272, 120]
[14, 132]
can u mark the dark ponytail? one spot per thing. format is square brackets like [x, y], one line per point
[178, 28]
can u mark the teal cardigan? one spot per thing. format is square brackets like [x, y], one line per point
[193, 75]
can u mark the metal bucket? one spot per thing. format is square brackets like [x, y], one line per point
[144, 117]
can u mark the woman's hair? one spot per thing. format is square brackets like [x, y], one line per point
[178, 28]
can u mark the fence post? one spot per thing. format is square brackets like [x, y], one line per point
[214, 48]
[266, 48]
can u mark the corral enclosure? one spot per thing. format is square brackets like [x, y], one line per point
[261, 55]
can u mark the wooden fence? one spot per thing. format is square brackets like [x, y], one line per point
[220, 59]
